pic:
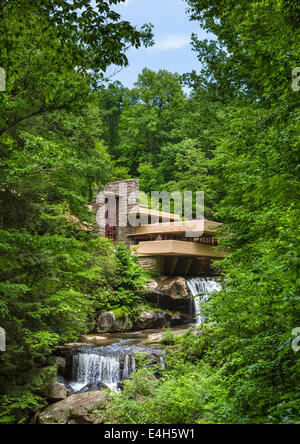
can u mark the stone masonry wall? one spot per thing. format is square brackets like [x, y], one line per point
[125, 194]
[151, 263]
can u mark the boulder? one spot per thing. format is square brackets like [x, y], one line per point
[64, 382]
[93, 387]
[151, 286]
[107, 322]
[76, 409]
[60, 363]
[179, 319]
[152, 319]
[172, 294]
[65, 352]
[174, 287]
[55, 391]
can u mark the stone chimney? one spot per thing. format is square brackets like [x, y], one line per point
[113, 206]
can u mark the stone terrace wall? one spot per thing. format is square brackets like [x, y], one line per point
[151, 263]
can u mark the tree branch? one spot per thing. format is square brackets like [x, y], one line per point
[20, 119]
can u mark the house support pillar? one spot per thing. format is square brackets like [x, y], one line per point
[174, 263]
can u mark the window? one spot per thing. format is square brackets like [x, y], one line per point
[110, 232]
[208, 240]
[136, 240]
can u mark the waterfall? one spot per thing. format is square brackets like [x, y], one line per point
[91, 367]
[125, 373]
[133, 367]
[201, 289]
[108, 365]
[162, 362]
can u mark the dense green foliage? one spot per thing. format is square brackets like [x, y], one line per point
[128, 284]
[235, 136]
[54, 272]
[162, 136]
[55, 51]
[187, 395]
[257, 161]
[203, 386]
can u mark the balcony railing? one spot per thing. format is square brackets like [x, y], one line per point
[208, 240]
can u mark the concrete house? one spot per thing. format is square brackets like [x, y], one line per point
[159, 239]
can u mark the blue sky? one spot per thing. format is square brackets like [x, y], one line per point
[172, 35]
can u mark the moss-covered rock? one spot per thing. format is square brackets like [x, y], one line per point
[152, 319]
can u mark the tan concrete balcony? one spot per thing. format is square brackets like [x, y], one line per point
[180, 227]
[178, 248]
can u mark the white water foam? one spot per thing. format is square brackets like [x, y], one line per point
[201, 290]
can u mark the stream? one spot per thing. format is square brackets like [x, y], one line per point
[110, 358]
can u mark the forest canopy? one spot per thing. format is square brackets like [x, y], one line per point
[65, 130]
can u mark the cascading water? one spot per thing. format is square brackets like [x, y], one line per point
[91, 367]
[107, 365]
[201, 289]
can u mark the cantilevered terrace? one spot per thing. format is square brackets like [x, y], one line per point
[175, 247]
[177, 253]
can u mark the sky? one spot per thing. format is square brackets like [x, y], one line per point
[172, 35]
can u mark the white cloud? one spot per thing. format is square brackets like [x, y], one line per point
[170, 42]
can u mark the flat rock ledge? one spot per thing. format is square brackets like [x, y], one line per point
[76, 409]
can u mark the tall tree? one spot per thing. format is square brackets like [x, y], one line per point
[55, 51]
[150, 115]
[53, 271]
[256, 165]
[111, 105]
